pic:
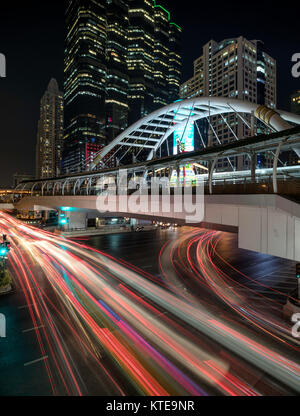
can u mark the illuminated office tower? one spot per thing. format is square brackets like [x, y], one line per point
[161, 56]
[50, 133]
[122, 61]
[141, 44]
[295, 102]
[234, 68]
[117, 78]
[175, 61]
[85, 79]
[154, 58]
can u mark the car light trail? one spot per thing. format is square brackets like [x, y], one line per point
[144, 329]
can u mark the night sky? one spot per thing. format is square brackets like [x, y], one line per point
[32, 39]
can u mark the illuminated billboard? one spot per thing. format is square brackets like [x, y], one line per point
[184, 137]
[184, 141]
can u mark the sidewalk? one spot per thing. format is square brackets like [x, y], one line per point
[101, 231]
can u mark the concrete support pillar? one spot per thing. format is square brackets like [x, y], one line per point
[275, 164]
[45, 215]
[77, 220]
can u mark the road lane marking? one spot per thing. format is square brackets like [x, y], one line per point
[33, 329]
[36, 361]
[25, 306]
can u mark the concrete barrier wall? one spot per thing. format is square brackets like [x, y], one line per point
[265, 230]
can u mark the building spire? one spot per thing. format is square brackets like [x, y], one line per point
[53, 85]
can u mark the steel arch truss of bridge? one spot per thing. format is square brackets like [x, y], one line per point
[151, 133]
[87, 183]
[146, 137]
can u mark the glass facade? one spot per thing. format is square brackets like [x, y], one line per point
[117, 79]
[122, 61]
[141, 58]
[85, 78]
[240, 69]
[50, 133]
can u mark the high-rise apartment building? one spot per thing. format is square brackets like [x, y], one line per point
[234, 68]
[50, 133]
[122, 61]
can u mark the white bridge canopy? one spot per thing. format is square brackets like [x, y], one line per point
[151, 132]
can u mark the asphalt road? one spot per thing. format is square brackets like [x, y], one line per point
[81, 323]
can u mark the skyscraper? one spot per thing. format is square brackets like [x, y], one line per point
[175, 61]
[141, 58]
[154, 58]
[117, 78]
[85, 79]
[122, 61]
[50, 133]
[161, 55]
[234, 68]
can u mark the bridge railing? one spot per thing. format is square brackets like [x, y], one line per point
[239, 185]
[285, 187]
